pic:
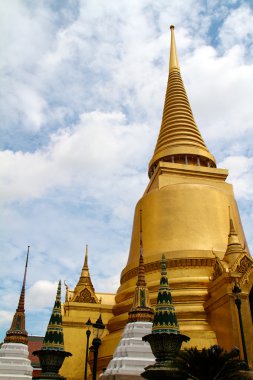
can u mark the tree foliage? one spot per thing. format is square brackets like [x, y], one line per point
[212, 363]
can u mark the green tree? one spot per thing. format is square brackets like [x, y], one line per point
[212, 363]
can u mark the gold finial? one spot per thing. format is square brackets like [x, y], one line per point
[174, 65]
[86, 256]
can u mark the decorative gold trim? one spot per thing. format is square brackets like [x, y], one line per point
[174, 263]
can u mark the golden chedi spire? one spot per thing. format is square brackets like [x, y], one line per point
[185, 214]
[141, 309]
[17, 332]
[234, 247]
[179, 140]
[84, 290]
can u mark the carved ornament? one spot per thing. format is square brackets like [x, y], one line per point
[85, 296]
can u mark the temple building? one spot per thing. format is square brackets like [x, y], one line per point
[81, 304]
[190, 216]
[14, 362]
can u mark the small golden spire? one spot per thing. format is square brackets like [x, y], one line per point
[84, 290]
[141, 271]
[141, 309]
[234, 247]
[174, 65]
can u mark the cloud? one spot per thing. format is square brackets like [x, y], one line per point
[240, 174]
[41, 294]
[5, 317]
[83, 86]
[237, 29]
[101, 146]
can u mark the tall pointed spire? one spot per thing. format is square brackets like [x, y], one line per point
[84, 290]
[141, 309]
[54, 335]
[165, 320]
[179, 140]
[141, 271]
[17, 332]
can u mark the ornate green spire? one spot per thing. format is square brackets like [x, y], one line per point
[165, 320]
[54, 336]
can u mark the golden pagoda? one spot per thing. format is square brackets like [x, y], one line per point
[185, 209]
[185, 213]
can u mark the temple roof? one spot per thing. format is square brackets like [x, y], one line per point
[179, 135]
[141, 309]
[17, 333]
[165, 320]
[84, 290]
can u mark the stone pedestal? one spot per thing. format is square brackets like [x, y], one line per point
[131, 355]
[51, 362]
[165, 347]
[14, 362]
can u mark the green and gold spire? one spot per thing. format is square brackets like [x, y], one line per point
[179, 140]
[54, 335]
[165, 320]
[17, 332]
[141, 309]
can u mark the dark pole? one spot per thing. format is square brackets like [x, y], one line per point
[236, 290]
[86, 357]
[95, 343]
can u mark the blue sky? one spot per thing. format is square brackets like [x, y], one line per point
[83, 86]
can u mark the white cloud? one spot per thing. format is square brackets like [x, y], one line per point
[5, 317]
[32, 105]
[41, 294]
[219, 88]
[240, 174]
[99, 148]
[237, 29]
